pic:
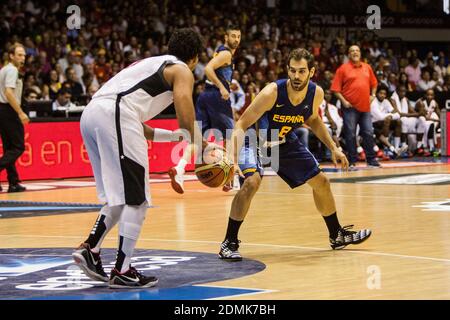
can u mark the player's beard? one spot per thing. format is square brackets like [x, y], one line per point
[232, 45]
[298, 85]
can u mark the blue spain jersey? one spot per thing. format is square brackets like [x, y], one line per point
[285, 117]
[289, 158]
[210, 109]
[224, 73]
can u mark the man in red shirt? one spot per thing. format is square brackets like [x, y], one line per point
[355, 86]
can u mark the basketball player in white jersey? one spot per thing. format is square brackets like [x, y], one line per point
[408, 116]
[113, 130]
[429, 122]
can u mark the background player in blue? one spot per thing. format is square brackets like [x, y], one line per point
[213, 107]
[285, 105]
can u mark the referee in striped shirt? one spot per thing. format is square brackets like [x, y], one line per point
[12, 117]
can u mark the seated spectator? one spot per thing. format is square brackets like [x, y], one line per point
[63, 100]
[403, 80]
[50, 91]
[237, 99]
[331, 118]
[73, 84]
[426, 83]
[385, 118]
[413, 70]
[446, 85]
[439, 83]
[102, 69]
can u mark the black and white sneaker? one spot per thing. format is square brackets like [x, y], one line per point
[346, 236]
[90, 263]
[229, 251]
[130, 279]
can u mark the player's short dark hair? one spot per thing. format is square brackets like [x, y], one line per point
[64, 91]
[185, 44]
[299, 54]
[232, 27]
[382, 87]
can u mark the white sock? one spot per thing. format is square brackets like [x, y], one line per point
[392, 148]
[375, 148]
[130, 226]
[126, 246]
[181, 165]
[431, 144]
[396, 142]
[359, 149]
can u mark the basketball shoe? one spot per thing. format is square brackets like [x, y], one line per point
[229, 251]
[346, 236]
[90, 263]
[176, 179]
[130, 279]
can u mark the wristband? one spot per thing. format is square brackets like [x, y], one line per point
[162, 135]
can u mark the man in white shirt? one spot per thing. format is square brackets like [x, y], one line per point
[409, 117]
[429, 122]
[385, 118]
[62, 101]
[331, 118]
[426, 83]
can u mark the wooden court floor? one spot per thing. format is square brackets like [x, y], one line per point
[407, 257]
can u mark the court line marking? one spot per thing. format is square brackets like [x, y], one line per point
[374, 253]
[290, 194]
[237, 295]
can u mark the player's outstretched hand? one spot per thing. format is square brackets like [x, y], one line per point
[339, 156]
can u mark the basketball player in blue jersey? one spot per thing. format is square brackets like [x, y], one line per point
[285, 105]
[213, 107]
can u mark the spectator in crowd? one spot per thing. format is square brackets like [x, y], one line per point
[352, 85]
[73, 84]
[62, 101]
[331, 118]
[426, 82]
[50, 90]
[404, 80]
[413, 70]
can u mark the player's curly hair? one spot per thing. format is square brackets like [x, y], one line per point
[185, 44]
[299, 54]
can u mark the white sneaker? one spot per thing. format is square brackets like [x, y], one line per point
[176, 179]
[401, 149]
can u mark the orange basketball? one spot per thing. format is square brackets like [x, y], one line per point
[216, 169]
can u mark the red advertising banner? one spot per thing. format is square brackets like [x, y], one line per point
[55, 150]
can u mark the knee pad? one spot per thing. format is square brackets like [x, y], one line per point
[131, 220]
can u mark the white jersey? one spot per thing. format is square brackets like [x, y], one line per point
[334, 113]
[403, 105]
[380, 109]
[429, 107]
[141, 87]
